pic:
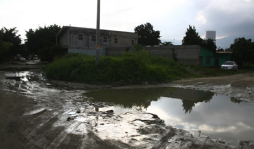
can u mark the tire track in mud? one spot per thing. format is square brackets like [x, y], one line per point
[33, 134]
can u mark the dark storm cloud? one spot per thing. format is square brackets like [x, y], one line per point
[230, 19]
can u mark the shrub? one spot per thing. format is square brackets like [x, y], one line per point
[129, 68]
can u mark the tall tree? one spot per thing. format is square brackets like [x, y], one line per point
[4, 47]
[192, 37]
[41, 38]
[243, 51]
[147, 35]
[11, 36]
[42, 41]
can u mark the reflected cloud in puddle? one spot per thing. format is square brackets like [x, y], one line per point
[215, 115]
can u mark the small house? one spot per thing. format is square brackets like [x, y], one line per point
[223, 56]
[210, 59]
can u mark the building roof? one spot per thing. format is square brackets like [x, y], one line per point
[67, 27]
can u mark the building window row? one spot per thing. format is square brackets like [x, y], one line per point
[105, 39]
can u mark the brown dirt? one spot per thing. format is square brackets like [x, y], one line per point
[239, 80]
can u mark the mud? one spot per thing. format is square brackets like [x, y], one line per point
[240, 86]
[39, 113]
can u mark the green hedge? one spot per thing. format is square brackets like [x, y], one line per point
[129, 68]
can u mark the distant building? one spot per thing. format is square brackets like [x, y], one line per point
[210, 35]
[83, 40]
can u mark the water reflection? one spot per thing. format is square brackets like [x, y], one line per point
[215, 115]
[128, 98]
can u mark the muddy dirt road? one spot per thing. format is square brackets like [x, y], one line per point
[240, 86]
[37, 113]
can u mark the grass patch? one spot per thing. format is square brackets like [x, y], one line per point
[129, 68]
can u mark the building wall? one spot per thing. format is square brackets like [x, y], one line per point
[206, 55]
[89, 38]
[188, 54]
[85, 38]
[124, 39]
[63, 40]
[90, 52]
[224, 57]
[184, 54]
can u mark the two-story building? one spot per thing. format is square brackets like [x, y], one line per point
[83, 40]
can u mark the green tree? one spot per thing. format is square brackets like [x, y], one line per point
[210, 45]
[243, 51]
[11, 36]
[42, 41]
[147, 35]
[191, 37]
[4, 48]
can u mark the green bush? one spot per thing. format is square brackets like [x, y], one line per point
[129, 68]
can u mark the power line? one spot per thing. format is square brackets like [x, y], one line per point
[157, 1]
[110, 13]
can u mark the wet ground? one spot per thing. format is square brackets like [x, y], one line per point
[217, 116]
[39, 113]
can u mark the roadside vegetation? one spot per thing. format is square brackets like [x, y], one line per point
[129, 68]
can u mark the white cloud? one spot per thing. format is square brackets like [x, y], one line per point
[221, 37]
[201, 18]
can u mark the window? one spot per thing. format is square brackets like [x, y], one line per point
[208, 59]
[80, 37]
[105, 39]
[115, 40]
[93, 38]
[132, 42]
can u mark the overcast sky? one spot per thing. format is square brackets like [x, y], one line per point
[229, 18]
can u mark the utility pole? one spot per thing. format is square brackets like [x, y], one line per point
[98, 33]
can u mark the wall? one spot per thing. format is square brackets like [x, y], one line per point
[205, 53]
[87, 41]
[90, 52]
[124, 38]
[186, 54]
[64, 39]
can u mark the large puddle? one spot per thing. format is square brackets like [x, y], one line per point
[217, 116]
